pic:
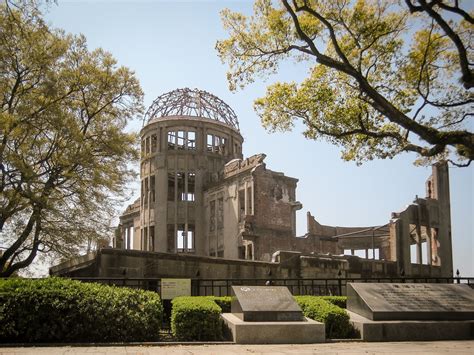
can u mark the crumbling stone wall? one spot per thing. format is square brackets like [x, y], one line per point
[140, 264]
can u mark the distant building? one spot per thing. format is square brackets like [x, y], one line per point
[200, 197]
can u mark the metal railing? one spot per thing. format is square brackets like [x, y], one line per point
[316, 286]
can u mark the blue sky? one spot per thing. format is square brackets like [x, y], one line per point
[170, 44]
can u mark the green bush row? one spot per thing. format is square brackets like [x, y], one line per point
[196, 318]
[336, 319]
[61, 310]
[339, 301]
[223, 302]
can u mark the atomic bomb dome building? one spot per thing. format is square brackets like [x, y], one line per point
[206, 211]
[188, 138]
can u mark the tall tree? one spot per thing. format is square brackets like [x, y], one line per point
[64, 153]
[386, 77]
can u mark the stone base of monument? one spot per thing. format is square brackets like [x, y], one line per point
[417, 311]
[410, 330]
[301, 332]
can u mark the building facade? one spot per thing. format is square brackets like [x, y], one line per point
[188, 137]
[202, 202]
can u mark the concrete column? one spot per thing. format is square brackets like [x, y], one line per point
[442, 194]
[429, 241]
[419, 253]
[434, 247]
[400, 243]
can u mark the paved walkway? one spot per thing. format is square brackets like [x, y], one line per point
[418, 348]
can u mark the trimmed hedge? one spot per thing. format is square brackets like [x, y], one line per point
[62, 310]
[339, 301]
[224, 302]
[335, 318]
[196, 318]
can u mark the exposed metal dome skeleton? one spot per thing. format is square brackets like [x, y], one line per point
[193, 103]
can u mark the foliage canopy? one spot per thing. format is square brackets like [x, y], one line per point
[386, 77]
[63, 149]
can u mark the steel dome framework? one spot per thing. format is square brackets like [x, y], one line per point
[193, 103]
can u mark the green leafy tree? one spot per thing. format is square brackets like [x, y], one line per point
[64, 153]
[385, 77]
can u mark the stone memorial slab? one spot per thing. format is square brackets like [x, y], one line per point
[411, 301]
[265, 304]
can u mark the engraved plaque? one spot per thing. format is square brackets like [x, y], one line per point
[411, 301]
[265, 304]
[171, 288]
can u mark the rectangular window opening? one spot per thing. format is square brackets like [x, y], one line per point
[217, 144]
[154, 143]
[171, 140]
[191, 143]
[241, 205]
[222, 149]
[241, 252]
[191, 187]
[372, 252]
[147, 145]
[145, 192]
[125, 237]
[413, 253]
[141, 239]
[181, 191]
[181, 140]
[190, 241]
[180, 237]
[212, 220]
[424, 252]
[152, 239]
[220, 213]
[145, 238]
[152, 188]
[249, 201]
[210, 142]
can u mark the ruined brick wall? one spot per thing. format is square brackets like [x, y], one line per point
[274, 196]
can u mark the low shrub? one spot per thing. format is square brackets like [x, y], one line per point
[62, 310]
[224, 302]
[196, 318]
[339, 301]
[336, 319]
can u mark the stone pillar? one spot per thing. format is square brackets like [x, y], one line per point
[400, 243]
[441, 193]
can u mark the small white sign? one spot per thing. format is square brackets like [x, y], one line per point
[171, 288]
